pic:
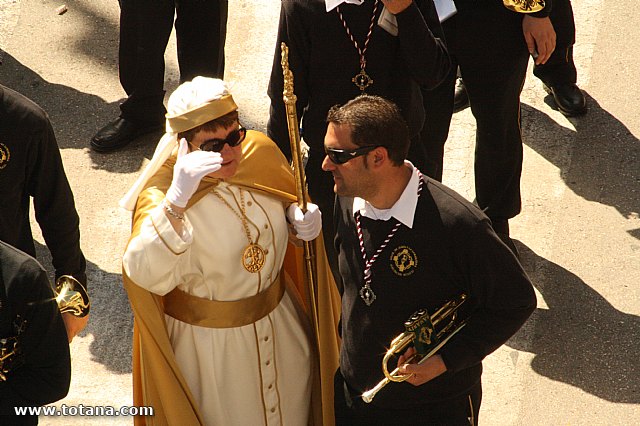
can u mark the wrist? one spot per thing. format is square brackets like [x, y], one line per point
[172, 210]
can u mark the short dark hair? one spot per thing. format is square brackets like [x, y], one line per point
[374, 121]
[211, 126]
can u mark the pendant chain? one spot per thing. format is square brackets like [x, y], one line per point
[361, 80]
[366, 292]
[361, 52]
[242, 216]
[253, 256]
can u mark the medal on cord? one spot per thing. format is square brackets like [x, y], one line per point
[366, 292]
[362, 79]
[253, 256]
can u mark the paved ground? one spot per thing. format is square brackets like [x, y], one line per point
[576, 362]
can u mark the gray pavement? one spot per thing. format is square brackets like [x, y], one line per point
[577, 360]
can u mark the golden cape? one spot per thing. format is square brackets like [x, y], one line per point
[157, 380]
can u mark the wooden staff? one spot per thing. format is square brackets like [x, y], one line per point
[290, 99]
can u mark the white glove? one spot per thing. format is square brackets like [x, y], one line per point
[307, 225]
[188, 171]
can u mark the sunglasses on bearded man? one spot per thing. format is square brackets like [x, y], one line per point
[233, 139]
[341, 156]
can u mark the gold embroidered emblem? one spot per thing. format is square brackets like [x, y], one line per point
[404, 261]
[5, 155]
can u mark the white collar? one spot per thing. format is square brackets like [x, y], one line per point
[403, 210]
[332, 4]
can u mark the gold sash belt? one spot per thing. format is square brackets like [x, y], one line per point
[221, 314]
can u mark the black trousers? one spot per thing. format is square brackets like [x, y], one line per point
[145, 27]
[350, 410]
[560, 68]
[486, 41]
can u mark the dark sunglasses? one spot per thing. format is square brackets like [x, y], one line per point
[341, 156]
[234, 138]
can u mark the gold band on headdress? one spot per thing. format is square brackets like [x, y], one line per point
[203, 114]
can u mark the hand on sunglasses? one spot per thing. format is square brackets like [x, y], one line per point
[188, 171]
[307, 225]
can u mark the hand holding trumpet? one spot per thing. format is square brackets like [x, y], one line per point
[420, 374]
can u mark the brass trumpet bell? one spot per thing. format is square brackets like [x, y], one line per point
[71, 296]
[524, 6]
[427, 333]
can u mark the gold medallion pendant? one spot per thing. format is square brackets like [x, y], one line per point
[362, 80]
[253, 258]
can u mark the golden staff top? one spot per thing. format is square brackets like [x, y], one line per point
[290, 99]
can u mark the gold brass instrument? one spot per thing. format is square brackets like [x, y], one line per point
[427, 333]
[524, 6]
[10, 349]
[71, 296]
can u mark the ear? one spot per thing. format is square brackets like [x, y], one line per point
[380, 156]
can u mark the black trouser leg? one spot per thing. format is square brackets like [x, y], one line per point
[493, 58]
[350, 410]
[145, 27]
[201, 28]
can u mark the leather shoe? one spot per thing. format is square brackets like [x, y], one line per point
[569, 98]
[460, 96]
[119, 133]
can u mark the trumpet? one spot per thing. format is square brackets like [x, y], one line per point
[11, 349]
[524, 6]
[71, 296]
[427, 333]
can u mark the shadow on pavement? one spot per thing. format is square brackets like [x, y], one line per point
[110, 321]
[581, 339]
[76, 116]
[599, 161]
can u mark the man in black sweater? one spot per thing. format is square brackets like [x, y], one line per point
[328, 46]
[31, 167]
[35, 367]
[406, 242]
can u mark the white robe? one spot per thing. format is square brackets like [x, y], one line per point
[259, 374]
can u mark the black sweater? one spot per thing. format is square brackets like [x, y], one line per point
[457, 251]
[44, 373]
[323, 60]
[31, 166]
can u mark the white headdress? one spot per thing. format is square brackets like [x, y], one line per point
[192, 104]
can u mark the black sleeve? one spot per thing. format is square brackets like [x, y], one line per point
[45, 375]
[291, 30]
[54, 205]
[500, 291]
[421, 42]
[548, 5]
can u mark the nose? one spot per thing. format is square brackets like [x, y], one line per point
[225, 149]
[327, 164]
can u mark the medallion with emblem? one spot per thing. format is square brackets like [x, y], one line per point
[403, 261]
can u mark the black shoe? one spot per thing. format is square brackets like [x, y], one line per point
[460, 96]
[119, 133]
[569, 98]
